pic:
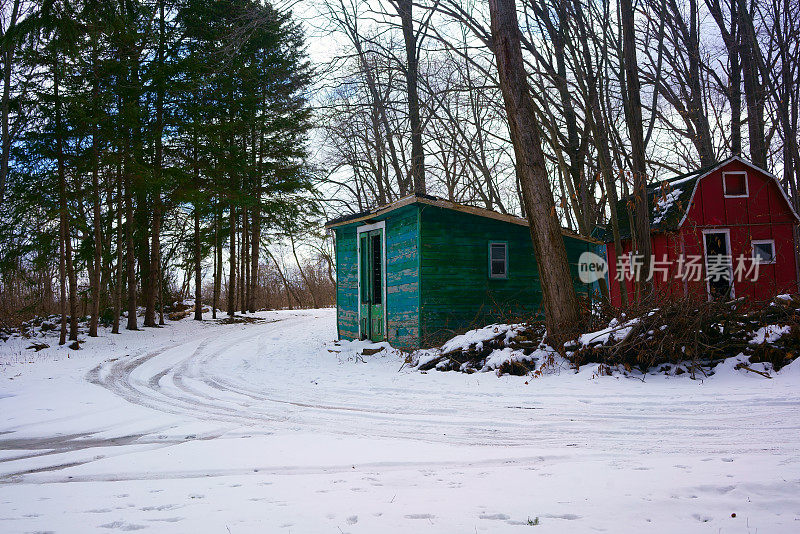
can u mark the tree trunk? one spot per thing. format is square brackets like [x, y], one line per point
[633, 117]
[130, 253]
[703, 142]
[198, 275]
[558, 292]
[255, 246]
[73, 289]
[405, 10]
[753, 90]
[731, 36]
[62, 208]
[98, 244]
[244, 252]
[240, 260]
[120, 271]
[596, 122]
[155, 243]
[8, 59]
[64, 230]
[232, 280]
[217, 261]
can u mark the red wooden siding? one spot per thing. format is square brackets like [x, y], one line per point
[763, 214]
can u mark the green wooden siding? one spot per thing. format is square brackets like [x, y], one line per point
[347, 282]
[457, 292]
[437, 274]
[402, 280]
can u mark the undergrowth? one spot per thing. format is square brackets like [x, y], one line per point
[680, 335]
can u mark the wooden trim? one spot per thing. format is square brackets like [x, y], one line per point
[725, 186]
[727, 233]
[446, 204]
[754, 242]
[380, 225]
[419, 276]
[504, 276]
[336, 261]
[397, 204]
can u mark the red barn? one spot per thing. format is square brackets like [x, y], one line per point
[709, 229]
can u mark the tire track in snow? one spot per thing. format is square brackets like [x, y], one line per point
[200, 379]
[128, 379]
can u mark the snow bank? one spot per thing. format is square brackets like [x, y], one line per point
[614, 331]
[769, 334]
[474, 339]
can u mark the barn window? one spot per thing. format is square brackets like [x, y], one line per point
[764, 251]
[735, 183]
[498, 260]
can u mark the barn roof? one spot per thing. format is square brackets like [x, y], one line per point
[441, 203]
[669, 200]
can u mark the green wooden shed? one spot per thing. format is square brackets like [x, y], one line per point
[421, 269]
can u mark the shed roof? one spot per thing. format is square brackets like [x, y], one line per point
[441, 203]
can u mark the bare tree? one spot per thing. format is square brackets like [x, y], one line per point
[633, 115]
[405, 10]
[558, 293]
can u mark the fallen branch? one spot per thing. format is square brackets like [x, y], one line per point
[746, 368]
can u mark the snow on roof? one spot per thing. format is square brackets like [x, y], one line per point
[664, 204]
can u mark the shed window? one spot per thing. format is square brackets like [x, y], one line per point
[363, 262]
[735, 183]
[764, 251]
[376, 269]
[498, 260]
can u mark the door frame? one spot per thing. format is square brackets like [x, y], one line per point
[381, 225]
[727, 232]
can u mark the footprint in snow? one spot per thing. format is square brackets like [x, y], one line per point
[568, 517]
[420, 516]
[160, 508]
[352, 520]
[121, 525]
[496, 517]
[166, 519]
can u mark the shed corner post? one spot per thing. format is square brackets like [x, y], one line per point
[420, 207]
[332, 232]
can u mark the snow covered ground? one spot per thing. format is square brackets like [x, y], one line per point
[272, 427]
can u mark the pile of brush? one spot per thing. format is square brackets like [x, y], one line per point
[681, 335]
[510, 346]
[695, 336]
